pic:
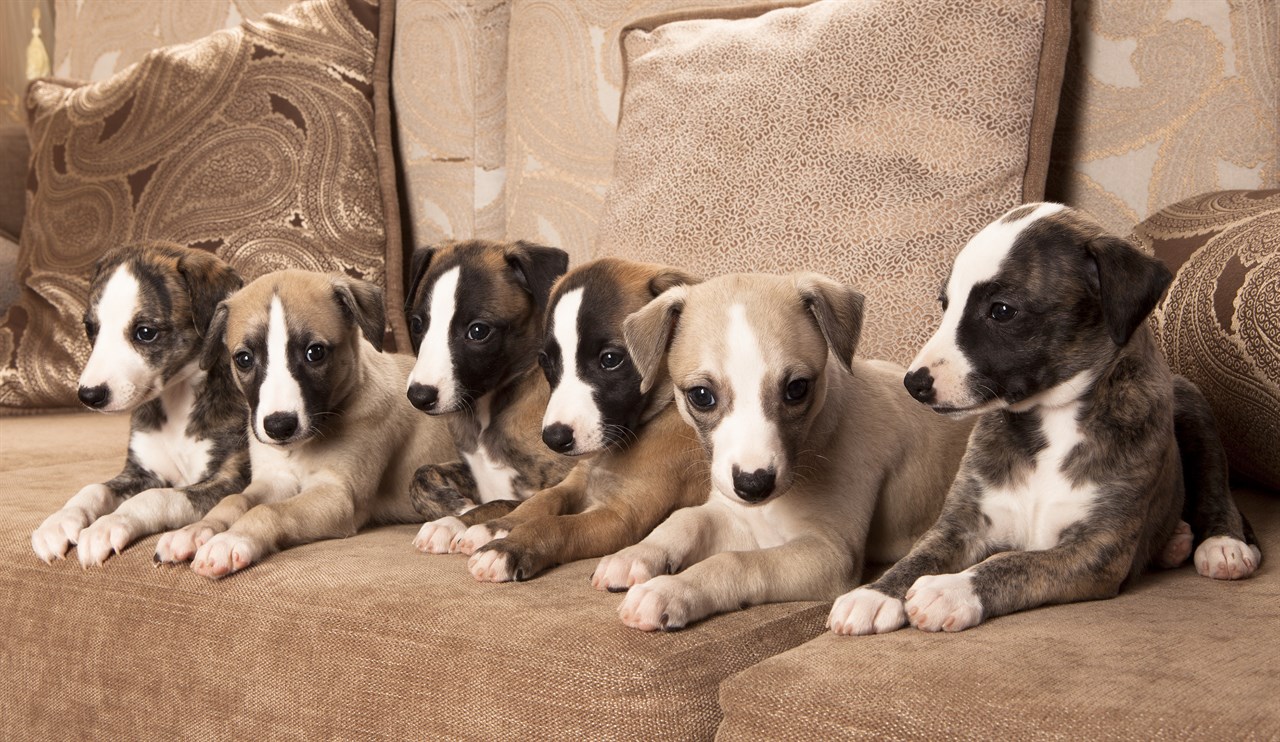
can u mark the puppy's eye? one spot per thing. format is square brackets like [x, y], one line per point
[90, 330]
[943, 301]
[611, 359]
[701, 397]
[415, 325]
[1001, 312]
[243, 359]
[544, 360]
[315, 353]
[797, 390]
[478, 331]
[145, 334]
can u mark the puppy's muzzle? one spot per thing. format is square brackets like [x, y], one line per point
[424, 397]
[920, 385]
[280, 425]
[558, 437]
[95, 397]
[754, 486]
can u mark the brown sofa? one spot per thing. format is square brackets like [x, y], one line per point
[365, 638]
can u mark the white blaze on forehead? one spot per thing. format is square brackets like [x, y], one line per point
[745, 437]
[435, 362]
[114, 361]
[979, 261]
[573, 402]
[280, 391]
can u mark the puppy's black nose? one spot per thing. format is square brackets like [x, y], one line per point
[94, 396]
[423, 397]
[754, 486]
[558, 437]
[920, 384]
[280, 425]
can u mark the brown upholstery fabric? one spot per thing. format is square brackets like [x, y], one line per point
[864, 140]
[1219, 323]
[1176, 657]
[355, 639]
[255, 143]
[14, 151]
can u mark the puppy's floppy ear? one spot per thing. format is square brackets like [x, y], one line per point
[536, 268]
[215, 337]
[838, 311]
[1130, 284]
[648, 334]
[669, 278]
[361, 302]
[209, 280]
[418, 265]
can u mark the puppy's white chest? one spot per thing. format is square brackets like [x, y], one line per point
[764, 526]
[169, 452]
[494, 480]
[1032, 513]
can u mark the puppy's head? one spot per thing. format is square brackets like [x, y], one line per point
[294, 343]
[1036, 305]
[150, 305]
[475, 317]
[748, 357]
[596, 399]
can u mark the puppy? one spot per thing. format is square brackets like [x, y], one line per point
[475, 318]
[818, 460]
[642, 461]
[1074, 477]
[150, 305]
[333, 445]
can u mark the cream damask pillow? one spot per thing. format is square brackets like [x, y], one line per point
[865, 140]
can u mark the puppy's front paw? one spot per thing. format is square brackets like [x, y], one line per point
[1226, 558]
[58, 533]
[501, 561]
[108, 534]
[437, 536]
[629, 567]
[474, 537]
[223, 554]
[866, 611]
[943, 603]
[182, 544]
[664, 602]
[1178, 548]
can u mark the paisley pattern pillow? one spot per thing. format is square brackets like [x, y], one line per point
[255, 143]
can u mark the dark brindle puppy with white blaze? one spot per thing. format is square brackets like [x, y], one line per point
[150, 306]
[1090, 459]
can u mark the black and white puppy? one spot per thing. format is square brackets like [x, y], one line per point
[150, 305]
[475, 317]
[1088, 453]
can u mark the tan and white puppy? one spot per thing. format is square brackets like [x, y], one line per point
[1074, 479]
[475, 316]
[150, 305]
[819, 462]
[332, 443]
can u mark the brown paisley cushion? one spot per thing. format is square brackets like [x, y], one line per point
[1219, 324]
[256, 143]
[866, 140]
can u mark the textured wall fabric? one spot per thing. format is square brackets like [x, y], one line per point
[1219, 324]
[1164, 100]
[815, 139]
[256, 143]
[360, 638]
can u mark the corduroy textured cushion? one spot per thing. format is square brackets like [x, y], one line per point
[1219, 323]
[1176, 657]
[865, 140]
[256, 143]
[360, 638]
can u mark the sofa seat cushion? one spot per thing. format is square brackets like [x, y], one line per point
[350, 639]
[1175, 657]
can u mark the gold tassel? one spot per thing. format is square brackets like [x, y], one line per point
[37, 55]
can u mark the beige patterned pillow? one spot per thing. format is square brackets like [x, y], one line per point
[256, 143]
[866, 140]
[1219, 324]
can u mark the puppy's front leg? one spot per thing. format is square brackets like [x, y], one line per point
[62, 529]
[687, 536]
[807, 568]
[564, 497]
[322, 511]
[182, 544]
[439, 492]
